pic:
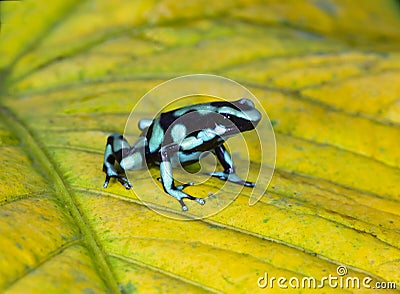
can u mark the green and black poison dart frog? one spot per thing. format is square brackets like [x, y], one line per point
[181, 136]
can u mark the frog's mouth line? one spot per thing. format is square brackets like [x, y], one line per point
[235, 129]
[230, 131]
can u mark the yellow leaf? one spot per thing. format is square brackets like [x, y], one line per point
[326, 72]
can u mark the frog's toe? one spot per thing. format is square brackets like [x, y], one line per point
[108, 178]
[220, 175]
[106, 181]
[232, 177]
[181, 187]
[184, 207]
[201, 201]
[249, 184]
[235, 179]
[124, 181]
[126, 185]
[198, 200]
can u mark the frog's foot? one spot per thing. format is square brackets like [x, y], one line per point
[180, 187]
[178, 194]
[199, 200]
[232, 177]
[121, 178]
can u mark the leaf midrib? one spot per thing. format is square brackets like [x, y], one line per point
[35, 150]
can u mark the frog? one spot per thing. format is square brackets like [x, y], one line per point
[182, 136]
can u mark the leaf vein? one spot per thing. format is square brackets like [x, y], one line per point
[35, 150]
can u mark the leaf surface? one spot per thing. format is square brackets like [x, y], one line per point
[327, 73]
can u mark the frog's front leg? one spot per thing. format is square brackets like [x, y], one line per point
[115, 146]
[167, 179]
[229, 171]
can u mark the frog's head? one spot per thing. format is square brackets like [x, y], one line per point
[242, 113]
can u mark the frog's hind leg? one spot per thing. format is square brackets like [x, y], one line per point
[116, 145]
[167, 179]
[229, 171]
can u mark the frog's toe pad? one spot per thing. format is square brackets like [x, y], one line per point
[124, 182]
[184, 207]
[249, 184]
[127, 185]
[201, 201]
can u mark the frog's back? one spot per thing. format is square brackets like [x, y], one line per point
[200, 127]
